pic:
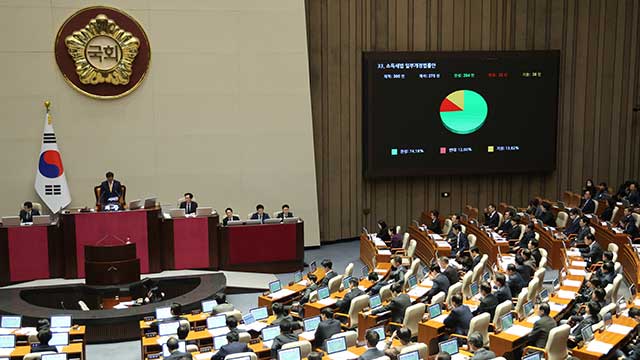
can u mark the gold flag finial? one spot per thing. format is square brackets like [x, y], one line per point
[47, 104]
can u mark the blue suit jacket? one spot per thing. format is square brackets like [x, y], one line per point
[572, 227]
[459, 319]
[116, 191]
[589, 206]
[256, 216]
[231, 348]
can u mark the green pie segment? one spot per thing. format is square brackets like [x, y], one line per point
[463, 112]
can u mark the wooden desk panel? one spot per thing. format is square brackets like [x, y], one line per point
[608, 337]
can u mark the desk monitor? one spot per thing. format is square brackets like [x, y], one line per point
[54, 357]
[297, 277]
[364, 271]
[506, 321]
[313, 266]
[275, 286]
[135, 204]
[487, 275]
[544, 295]
[528, 308]
[204, 211]
[450, 346]
[534, 356]
[434, 311]
[273, 221]
[380, 331]
[150, 203]
[270, 332]
[290, 354]
[248, 319]
[252, 222]
[336, 345]
[177, 213]
[323, 293]
[41, 220]
[587, 333]
[168, 328]
[260, 313]
[11, 322]
[375, 302]
[7, 341]
[412, 281]
[10, 221]
[235, 222]
[311, 324]
[291, 220]
[163, 313]
[474, 289]
[207, 305]
[220, 341]
[60, 321]
[59, 339]
[345, 282]
[216, 322]
[411, 355]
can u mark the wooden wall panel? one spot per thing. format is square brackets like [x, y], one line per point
[598, 134]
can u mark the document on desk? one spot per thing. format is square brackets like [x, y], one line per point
[256, 326]
[378, 242]
[572, 283]
[518, 330]
[380, 271]
[579, 263]
[418, 291]
[308, 335]
[343, 355]
[599, 347]
[280, 294]
[556, 307]
[6, 351]
[619, 329]
[573, 253]
[427, 282]
[27, 331]
[204, 356]
[532, 319]
[565, 294]
[303, 283]
[442, 244]
[328, 301]
[4, 331]
[440, 318]
[384, 252]
[577, 272]
[435, 236]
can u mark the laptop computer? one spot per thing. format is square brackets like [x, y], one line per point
[253, 222]
[60, 323]
[297, 277]
[204, 211]
[313, 266]
[215, 322]
[381, 337]
[260, 313]
[291, 220]
[235, 222]
[475, 289]
[10, 221]
[434, 311]
[163, 313]
[208, 305]
[150, 203]
[534, 356]
[7, 341]
[59, 339]
[337, 349]
[345, 282]
[506, 321]
[311, 324]
[135, 204]
[41, 220]
[323, 293]
[220, 341]
[486, 276]
[375, 302]
[364, 271]
[450, 347]
[273, 221]
[168, 328]
[411, 355]
[587, 333]
[11, 322]
[54, 357]
[290, 354]
[528, 308]
[275, 286]
[177, 213]
[268, 334]
[544, 295]
[412, 282]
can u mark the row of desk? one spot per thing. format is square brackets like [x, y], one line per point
[75, 349]
[57, 250]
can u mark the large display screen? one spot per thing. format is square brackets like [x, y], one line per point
[429, 113]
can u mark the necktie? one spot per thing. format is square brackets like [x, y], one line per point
[188, 207]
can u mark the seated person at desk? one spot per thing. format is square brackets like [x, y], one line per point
[633, 196]
[460, 316]
[476, 346]
[223, 306]
[602, 192]
[541, 328]
[398, 304]
[434, 223]
[546, 215]
[607, 214]
[44, 336]
[311, 288]
[397, 269]
[232, 325]
[28, 212]
[491, 217]
[515, 282]
[632, 352]
[110, 193]
[183, 333]
[344, 304]
[588, 205]
[514, 233]
[234, 346]
[396, 239]
[489, 301]
[534, 248]
[475, 256]
[173, 344]
[628, 224]
[188, 204]
[578, 322]
[506, 226]
[176, 311]
[523, 269]
[573, 224]
[229, 217]
[448, 270]
[327, 327]
[285, 213]
[440, 282]
[460, 242]
[529, 260]
[392, 351]
[443, 356]
[286, 336]
[260, 214]
[372, 352]
[583, 231]
[607, 275]
[592, 253]
[329, 273]
[455, 219]
[281, 313]
[383, 231]
[503, 292]
[529, 234]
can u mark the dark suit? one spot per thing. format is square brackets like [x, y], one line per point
[526, 238]
[459, 319]
[588, 206]
[344, 304]
[476, 261]
[326, 329]
[177, 355]
[281, 340]
[435, 226]
[634, 198]
[440, 283]
[43, 348]
[515, 283]
[397, 274]
[370, 354]
[630, 228]
[281, 215]
[483, 354]
[452, 274]
[106, 193]
[503, 294]
[582, 233]
[328, 276]
[226, 220]
[525, 272]
[593, 253]
[515, 233]
[547, 218]
[607, 214]
[606, 278]
[397, 306]
[488, 304]
[538, 336]
[230, 348]
[460, 244]
[573, 227]
[191, 208]
[492, 220]
[256, 216]
[506, 226]
[536, 255]
[577, 332]
[27, 216]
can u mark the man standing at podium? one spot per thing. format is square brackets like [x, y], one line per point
[110, 191]
[188, 204]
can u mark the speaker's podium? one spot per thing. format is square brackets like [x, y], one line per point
[111, 264]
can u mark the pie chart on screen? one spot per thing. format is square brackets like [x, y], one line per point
[463, 112]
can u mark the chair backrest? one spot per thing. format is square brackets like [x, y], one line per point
[595, 208]
[411, 249]
[439, 298]
[539, 274]
[556, 347]
[616, 287]
[466, 284]
[477, 272]
[351, 337]
[415, 266]
[537, 236]
[313, 296]
[412, 316]
[617, 266]
[543, 252]
[405, 280]
[244, 337]
[480, 323]
[613, 247]
[463, 228]
[398, 229]
[500, 219]
[543, 263]
[423, 350]
[636, 216]
[453, 289]
[533, 288]
[251, 355]
[334, 283]
[385, 293]
[83, 306]
[405, 240]
[592, 230]
[235, 313]
[358, 304]
[447, 226]
[502, 309]
[348, 271]
[523, 228]
[191, 348]
[561, 219]
[37, 356]
[472, 240]
[522, 299]
[609, 308]
[249, 215]
[305, 347]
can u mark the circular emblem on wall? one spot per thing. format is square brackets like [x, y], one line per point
[102, 52]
